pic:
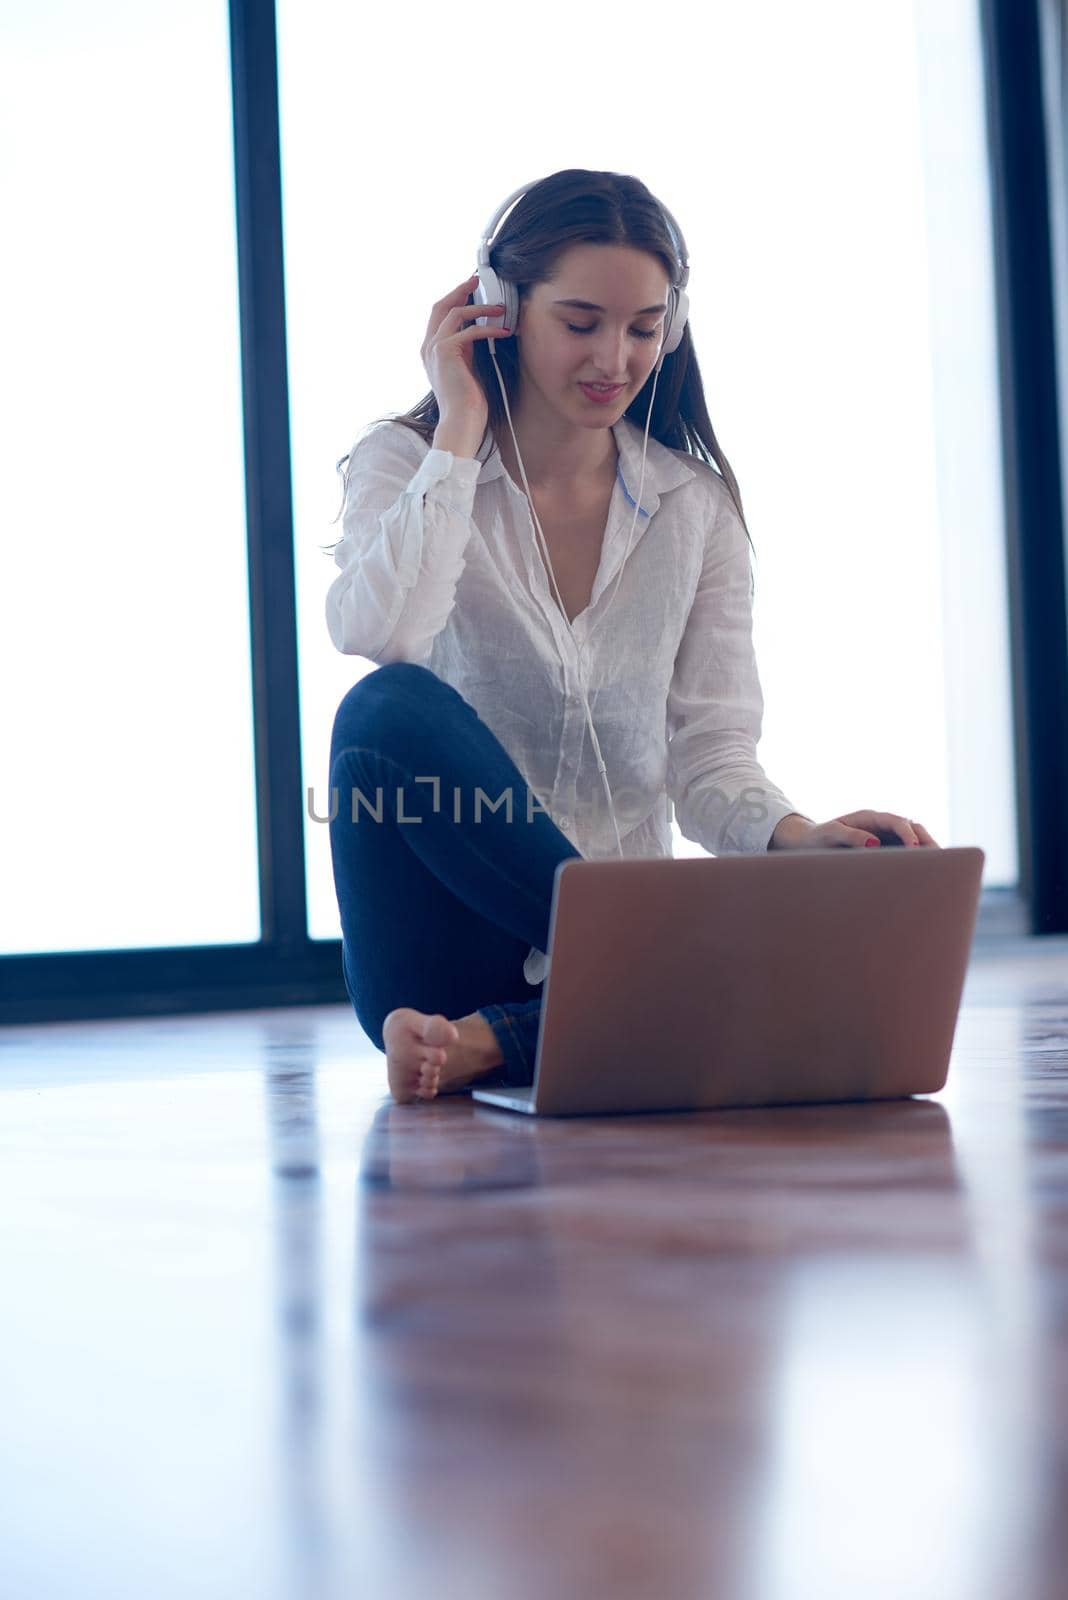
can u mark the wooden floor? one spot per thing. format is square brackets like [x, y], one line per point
[265, 1334]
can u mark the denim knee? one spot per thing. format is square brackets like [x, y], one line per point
[399, 672]
[374, 698]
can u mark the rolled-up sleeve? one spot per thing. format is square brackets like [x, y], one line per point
[407, 519]
[722, 796]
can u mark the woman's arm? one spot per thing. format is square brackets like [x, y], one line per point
[407, 520]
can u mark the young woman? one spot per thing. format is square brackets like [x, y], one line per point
[444, 896]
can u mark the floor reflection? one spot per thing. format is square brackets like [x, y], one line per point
[267, 1333]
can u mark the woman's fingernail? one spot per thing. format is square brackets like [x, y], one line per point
[869, 842]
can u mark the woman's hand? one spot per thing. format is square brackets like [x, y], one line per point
[448, 355]
[849, 832]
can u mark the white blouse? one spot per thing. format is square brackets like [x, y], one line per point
[440, 565]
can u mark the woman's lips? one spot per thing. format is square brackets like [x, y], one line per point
[601, 396]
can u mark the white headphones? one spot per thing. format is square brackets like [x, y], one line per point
[492, 289]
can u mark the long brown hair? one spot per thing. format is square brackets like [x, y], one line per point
[572, 207]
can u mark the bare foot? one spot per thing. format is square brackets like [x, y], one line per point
[427, 1055]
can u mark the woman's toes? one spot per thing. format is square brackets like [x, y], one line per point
[429, 1078]
[416, 1051]
[438, 1031]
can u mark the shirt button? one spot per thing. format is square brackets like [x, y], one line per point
[564, 823]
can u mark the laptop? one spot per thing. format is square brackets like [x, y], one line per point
[753, 980]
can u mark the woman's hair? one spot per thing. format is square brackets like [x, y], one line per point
[573, 207]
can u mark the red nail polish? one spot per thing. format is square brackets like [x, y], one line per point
[868, 843]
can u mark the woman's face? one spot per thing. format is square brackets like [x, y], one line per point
[562, 347]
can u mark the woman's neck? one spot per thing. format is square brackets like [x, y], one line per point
[547, 474]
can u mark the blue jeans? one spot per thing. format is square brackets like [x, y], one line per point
[438, 908]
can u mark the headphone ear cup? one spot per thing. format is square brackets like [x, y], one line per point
[677, 326]
[491, 289]
[487, 289]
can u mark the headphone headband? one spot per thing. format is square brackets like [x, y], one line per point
[486, 242]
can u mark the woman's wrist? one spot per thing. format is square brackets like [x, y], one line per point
[789, 831]
[456, 437]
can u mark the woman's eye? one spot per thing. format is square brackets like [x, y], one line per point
[637, 331]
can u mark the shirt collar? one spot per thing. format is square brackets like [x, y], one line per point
[663, 467]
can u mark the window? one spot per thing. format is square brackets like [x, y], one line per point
[835, 206]
[128, 814]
